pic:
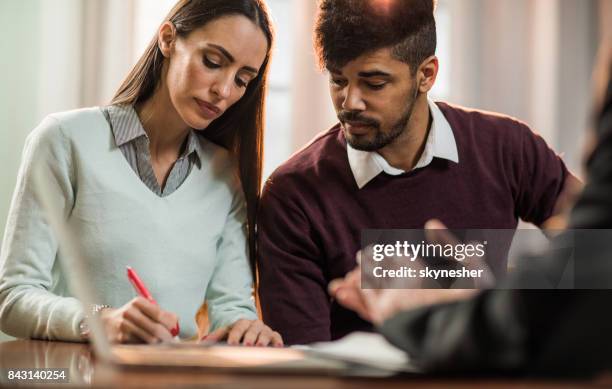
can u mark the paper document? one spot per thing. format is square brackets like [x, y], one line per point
[370, 349]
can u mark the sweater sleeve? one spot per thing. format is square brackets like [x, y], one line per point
[29, 250]
[230, 291]
[293, 285]
[542, 176]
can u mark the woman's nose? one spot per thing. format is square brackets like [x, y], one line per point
[222, 87]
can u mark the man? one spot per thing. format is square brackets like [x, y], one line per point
[395, 160]
[513, 330]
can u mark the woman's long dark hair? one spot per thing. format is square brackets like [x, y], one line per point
[240, 129]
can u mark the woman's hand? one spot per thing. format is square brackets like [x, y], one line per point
[247, 332]
[138, 321]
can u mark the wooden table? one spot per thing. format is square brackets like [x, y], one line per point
[85, 371]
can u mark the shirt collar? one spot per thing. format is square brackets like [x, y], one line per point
[126, 127]
[193, 145]
[440, 143]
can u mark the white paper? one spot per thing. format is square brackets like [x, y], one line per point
[366, 348]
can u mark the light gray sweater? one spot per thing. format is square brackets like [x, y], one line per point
[187, 247]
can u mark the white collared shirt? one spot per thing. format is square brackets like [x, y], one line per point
[440, 143]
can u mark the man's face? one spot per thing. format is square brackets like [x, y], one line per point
[374, 96]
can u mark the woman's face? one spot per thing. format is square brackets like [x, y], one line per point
[209, 70]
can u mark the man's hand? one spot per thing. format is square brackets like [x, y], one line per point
[377, 305]
[247, 332]
[436, 232]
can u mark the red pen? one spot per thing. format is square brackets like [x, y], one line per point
[142, 290]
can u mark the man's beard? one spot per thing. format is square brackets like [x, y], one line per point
[381, 138]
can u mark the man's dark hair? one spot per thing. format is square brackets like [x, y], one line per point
[347, 29]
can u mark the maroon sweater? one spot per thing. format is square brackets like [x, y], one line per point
[312, 212]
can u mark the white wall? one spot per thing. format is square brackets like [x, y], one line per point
[529, 59]
[19, 23]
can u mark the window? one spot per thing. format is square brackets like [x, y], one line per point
[278, 110]
[441, 89]
[147, 18]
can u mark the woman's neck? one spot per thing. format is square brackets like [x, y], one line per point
[164, 126]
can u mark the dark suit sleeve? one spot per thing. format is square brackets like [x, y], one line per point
[483, 333]
[545, 332]
[539, 331]
[594, 207]
[541, 174]
[292, 286]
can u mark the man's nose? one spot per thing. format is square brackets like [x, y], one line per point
[353, 100]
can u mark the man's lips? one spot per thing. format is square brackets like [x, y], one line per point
[209, 111]
[356, 128]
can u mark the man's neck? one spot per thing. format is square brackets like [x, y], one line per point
[404, 153]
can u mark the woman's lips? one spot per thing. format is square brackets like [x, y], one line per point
[208, 110]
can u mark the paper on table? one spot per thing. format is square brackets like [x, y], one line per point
[365, 348]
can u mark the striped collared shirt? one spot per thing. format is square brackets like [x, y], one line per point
[133, 142]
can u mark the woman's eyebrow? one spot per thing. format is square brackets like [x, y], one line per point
[231, 59]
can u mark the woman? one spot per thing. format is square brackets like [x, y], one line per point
[157, 181]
